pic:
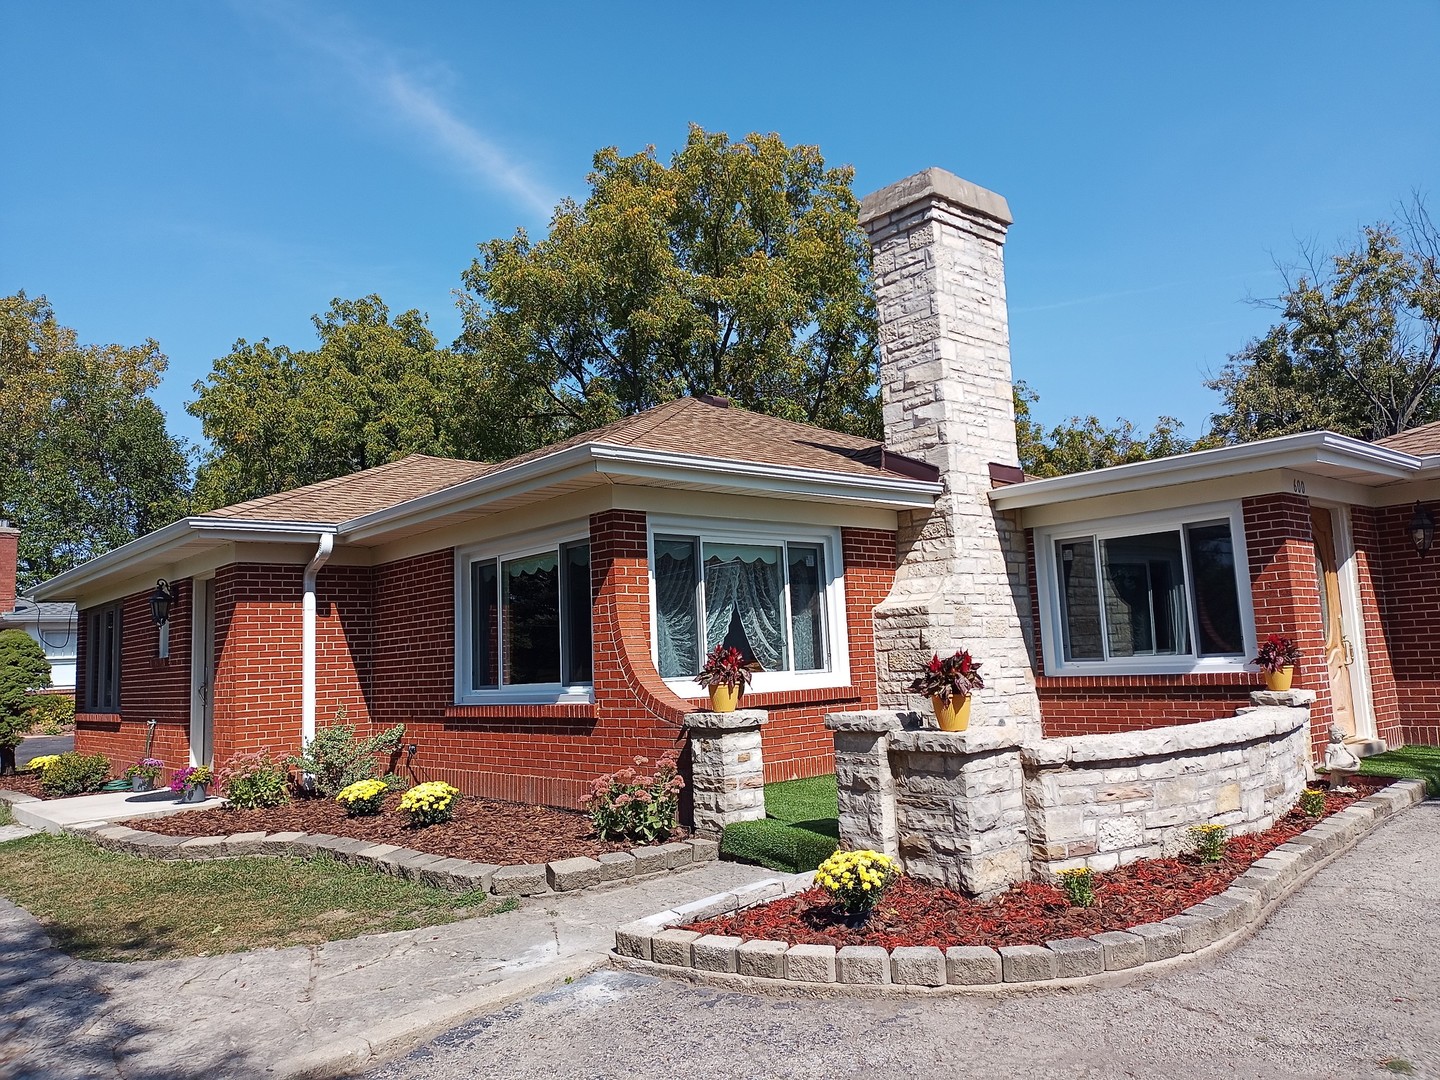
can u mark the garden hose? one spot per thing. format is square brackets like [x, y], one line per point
[117, 785]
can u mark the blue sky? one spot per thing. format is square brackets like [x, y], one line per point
[198, 173]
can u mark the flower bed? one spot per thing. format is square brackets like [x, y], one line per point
[914, 913]
[26, 784]
[481, 830]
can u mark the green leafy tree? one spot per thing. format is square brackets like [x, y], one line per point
[1084, 443]
[1357, 348]
[737, 269]
[375, 390]
[85, 461]
[23, 669]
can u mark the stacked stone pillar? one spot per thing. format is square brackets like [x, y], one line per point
[727, 769]
[945, 381]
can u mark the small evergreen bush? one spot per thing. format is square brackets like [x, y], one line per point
[51, 714]
[75, 774]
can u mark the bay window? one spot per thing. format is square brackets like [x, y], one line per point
[1163, 593]
[524, 624]
[774, 593]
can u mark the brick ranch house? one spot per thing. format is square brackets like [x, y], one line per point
[537, 622]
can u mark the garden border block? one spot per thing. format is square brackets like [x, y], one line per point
[659, 942]
[440, 871]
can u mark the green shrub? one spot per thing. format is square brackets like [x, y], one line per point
[337, 759]
[51, 714]
[252, 781]
[777, 845]
[75, 774]
[631, 805]
[23, 670]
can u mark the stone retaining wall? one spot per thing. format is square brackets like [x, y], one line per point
[982, 809]
[661, 942]
[456, 875]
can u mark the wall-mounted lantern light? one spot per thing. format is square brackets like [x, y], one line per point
[1422, 529]
[160, 602]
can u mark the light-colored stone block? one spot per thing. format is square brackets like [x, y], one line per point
[1077, 957]
[714, 952]
[1027, 963]
[1162, 940]
[1122, 950]
[672, 947]
[972, 965]
[863, 964]
[567, 875]
[524, 879]
[917, 965]
[810, 963]
[761, 959]
[616, 865]
[633, 940]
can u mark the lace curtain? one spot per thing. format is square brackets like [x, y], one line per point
[743, 587]
[676, 623]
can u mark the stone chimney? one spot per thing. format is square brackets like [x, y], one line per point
[9, 564]
[945, 384]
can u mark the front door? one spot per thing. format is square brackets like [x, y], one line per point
[1339, 655]
[202, 702]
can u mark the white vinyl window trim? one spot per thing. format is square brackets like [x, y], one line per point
[1047, 575]
[715, 531]
[499, 551]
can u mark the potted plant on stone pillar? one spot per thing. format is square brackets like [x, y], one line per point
[725, 675]
[948, 684]
[1277, 660]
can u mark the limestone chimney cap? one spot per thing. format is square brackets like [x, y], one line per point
[933, 185]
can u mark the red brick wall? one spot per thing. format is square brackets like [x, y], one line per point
[1286, 600]
[1409, 591]
[150, 688]
[257, 653]
[1371, 556]
[9, 566]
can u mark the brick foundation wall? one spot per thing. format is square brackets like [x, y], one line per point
[1409, 592]
[150, 688]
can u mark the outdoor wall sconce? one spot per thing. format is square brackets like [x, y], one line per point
[160, 601]
[1422, 530]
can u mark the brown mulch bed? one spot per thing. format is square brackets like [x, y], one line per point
[482, 830]
[26, 783]
[1031, 913]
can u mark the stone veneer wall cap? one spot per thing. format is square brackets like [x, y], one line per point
[736, 720]
[930, 185]
[978, 740]
[1157, 742]
[877, 722]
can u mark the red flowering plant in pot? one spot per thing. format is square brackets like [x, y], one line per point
[1277, 660]
[725, 675]
[948, 684]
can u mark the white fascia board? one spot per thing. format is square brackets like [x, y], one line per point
[625, 461]
[764, 479]
[152, 547]
[1304, 450]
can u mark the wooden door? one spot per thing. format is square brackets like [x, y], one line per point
[1338, 653]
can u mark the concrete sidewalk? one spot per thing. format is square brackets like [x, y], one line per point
[304, 1011]
[52, 815]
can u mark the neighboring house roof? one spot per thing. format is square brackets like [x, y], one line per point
[1421, 441]
[27, 611]
[696, 443]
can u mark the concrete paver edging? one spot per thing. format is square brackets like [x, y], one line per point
[454, 875]
[659, 944]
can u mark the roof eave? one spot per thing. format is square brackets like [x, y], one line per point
[127, 559]
[1306, 449]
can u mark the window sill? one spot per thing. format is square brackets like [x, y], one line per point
[774, 699]
[1246, 680]
[579, 710]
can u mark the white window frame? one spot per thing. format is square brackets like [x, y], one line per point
[714, 530]
[1175, 520]
[514, 547]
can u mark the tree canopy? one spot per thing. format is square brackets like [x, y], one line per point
[377, 388]
[1357, 347]
[736, 269]
[85, 461]
[1083, 443]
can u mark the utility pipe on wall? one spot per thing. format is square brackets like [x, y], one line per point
[307, 636]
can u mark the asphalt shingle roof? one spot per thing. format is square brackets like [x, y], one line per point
[1420, 441]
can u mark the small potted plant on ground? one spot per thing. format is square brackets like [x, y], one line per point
[948, 684]
[191, 782]
[725, 675]
[1277, 660]
[143, 774]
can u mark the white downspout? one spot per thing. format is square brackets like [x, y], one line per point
[307, 636]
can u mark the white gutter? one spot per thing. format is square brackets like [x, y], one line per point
[1304, 450]
[307, 636]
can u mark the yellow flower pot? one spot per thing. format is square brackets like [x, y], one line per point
[1279, 680]
[953, 715]
[724, 698]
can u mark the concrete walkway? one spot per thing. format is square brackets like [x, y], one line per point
[303, 1011]
[52, 815]
[1340, 979]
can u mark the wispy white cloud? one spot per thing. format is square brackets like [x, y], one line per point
[407, 88]
[1123, 294]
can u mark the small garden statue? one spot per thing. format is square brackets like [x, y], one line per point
[1340, 763]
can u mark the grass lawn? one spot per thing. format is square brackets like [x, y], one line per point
[6, 817]
[1409, 762]
[105, 905]
[801, 830]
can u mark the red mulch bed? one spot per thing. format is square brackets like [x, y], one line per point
[482, 830]
[1031, 913]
